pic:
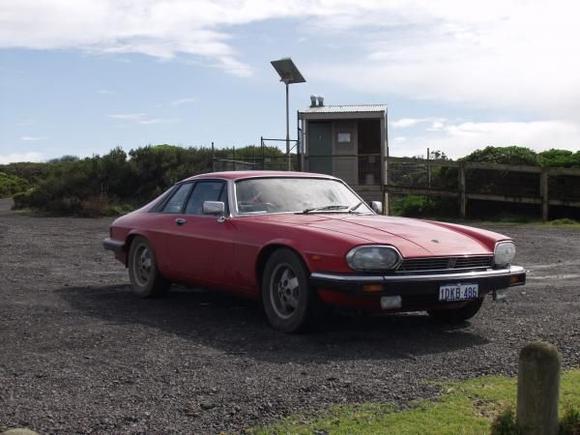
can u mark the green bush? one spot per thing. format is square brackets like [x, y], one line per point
[116, 182]
[11, 184]
[424, 206]
[506, 423]
[570, 422]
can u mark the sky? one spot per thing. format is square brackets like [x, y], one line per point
[80, 77]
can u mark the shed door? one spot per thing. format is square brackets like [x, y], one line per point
[320, 147]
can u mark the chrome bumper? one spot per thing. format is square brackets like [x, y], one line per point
[458, 276]
[426, 285]
[113, 245]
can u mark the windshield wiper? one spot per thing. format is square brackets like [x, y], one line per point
[325, 208]
[354, 207]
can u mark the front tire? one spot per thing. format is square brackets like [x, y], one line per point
[455, 316]
[290, 304]
[146, 280]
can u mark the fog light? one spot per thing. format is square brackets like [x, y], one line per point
[500, 295]
[391, 302]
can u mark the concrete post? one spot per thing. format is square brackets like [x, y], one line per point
[538, 389]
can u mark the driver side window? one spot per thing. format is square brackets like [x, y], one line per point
[206, 191]
[177, 201]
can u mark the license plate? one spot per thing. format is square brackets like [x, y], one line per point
[458, 292]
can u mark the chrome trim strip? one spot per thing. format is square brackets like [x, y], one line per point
[490, 273]
[458, 269]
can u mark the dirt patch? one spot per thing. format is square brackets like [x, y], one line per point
[79, 353]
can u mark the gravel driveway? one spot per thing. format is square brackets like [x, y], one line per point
[79, 353]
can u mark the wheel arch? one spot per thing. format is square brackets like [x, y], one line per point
[128, 241]
[267, 251]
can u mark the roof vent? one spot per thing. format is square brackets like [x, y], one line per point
[320, 101]
[313, 101]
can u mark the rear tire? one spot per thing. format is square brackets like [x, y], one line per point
[290, 304]
[146, 280]
[456, 315]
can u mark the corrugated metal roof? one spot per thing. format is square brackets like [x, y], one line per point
[347, 108]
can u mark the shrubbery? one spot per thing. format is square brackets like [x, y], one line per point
[117, 181]
[11, 184]
[506, 423]
[113, 183]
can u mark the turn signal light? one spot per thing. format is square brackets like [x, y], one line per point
[517, 279]
[372, 288]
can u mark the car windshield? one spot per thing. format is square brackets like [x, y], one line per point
[299, 195]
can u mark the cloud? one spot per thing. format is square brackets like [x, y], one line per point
[25, 123]
[460, 138]
[498, 52]
[20, 157]
[181, 101]
[105, 92]
[31, 138]
[411, 122]
[158, 28]
[141, 118]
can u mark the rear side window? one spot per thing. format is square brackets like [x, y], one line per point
[205, 191]
[177, 201]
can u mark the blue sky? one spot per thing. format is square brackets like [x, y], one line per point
[83, 77]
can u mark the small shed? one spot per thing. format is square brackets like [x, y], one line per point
[347, 141]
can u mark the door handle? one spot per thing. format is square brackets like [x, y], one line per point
[180, 221]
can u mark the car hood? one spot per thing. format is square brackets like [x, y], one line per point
[412, 237]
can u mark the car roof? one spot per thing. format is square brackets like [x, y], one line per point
[240, 175]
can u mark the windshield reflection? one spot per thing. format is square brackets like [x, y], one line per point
[298, 195]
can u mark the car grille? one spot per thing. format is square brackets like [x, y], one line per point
[442, 264]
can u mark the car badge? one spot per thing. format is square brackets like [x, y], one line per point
[451, 263]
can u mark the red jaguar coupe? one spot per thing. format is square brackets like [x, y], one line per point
[300, 241]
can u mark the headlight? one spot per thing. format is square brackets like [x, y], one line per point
[504, 253]
[373, 258]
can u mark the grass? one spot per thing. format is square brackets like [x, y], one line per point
[466, 407]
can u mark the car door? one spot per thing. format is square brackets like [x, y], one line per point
[200, 245]
[162, 222]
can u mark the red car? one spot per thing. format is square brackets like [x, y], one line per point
[300, 241]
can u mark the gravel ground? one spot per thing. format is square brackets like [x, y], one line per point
[79, 353]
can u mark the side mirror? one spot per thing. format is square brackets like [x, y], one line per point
[377, 207]
[216, 208]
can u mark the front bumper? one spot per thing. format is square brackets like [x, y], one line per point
[415, 290]
[118, 248]
[113, 245]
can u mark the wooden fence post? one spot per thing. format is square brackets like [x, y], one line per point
[538, 389]
[544, 194]
[462, 194]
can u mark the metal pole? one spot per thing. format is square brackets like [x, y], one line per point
[288, 131]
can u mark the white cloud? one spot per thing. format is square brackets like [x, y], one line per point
[105, 92]
[20, 157]
[158, 28]
[459, 139]
[141, 118]
[25, 123]
[411, 122]
[181, 101]
[31, 138]
[494, 53]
